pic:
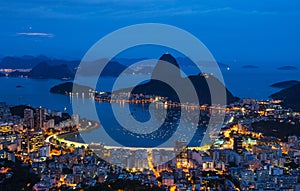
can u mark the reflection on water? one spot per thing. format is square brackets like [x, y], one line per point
[126, 136]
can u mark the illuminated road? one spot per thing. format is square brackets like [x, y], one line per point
[77, 144]
[151, 167]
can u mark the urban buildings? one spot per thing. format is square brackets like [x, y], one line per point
[240, 159]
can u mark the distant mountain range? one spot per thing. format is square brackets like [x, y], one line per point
[29, 62]
[114, 68]
[43, 67]
[290, 97]
[44, 71]
[159, 88]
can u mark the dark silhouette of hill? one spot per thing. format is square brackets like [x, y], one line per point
[163, 70]
[155, 87]
[285, 84]
[276, 129]
[43, 67]
[23, 62]
[68, 87]
[22, 176]
[44, 70]
[289, 96]
[113, 68]
[165, 73]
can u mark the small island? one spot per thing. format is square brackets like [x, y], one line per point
[250, 67]
[287, 68]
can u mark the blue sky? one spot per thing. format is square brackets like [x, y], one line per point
[249, 31]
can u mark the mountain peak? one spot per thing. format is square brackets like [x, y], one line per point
[162, 69]
[167, 57]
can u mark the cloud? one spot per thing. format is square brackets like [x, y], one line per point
[132, 9]
[35, 34]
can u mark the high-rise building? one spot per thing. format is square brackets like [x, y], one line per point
[28, 118]
[40, 117]
[24, 143]
[238, 144]
[36, 140]
[31, 141]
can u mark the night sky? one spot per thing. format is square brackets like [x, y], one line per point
[233, 30]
